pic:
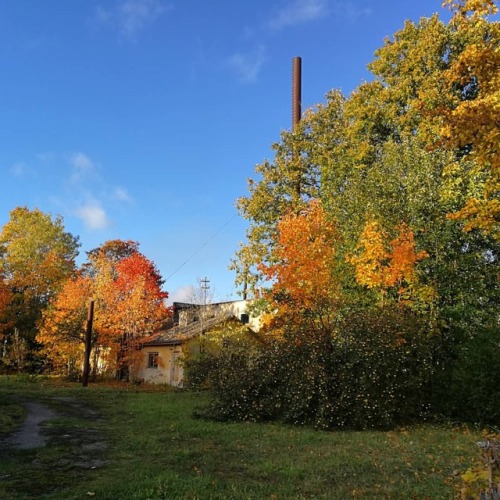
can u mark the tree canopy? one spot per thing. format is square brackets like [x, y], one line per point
[404, 168]
[44, 297]
[373, 243]
[129, 306]
[37, 255]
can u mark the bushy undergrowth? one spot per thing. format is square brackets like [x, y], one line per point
[469, 388]
[375, 372]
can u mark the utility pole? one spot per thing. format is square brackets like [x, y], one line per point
[88, 345]
[205, 286]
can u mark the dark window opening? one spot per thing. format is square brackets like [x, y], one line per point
[153, 360]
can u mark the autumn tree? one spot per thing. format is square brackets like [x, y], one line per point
[303, 283]
[36, 256]
[470, 121]
[135, 305]
[129, 306]
[62, 331]
[389, 266]
[380, 152]
[6, 323]
[5, 300]
[403, 165]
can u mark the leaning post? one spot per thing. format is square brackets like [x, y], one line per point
[88, 345]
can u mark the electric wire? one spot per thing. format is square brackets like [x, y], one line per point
[201, 247]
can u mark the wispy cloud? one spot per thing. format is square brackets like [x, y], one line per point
[350, 10]
[298, 12]
[76, 184]
[82, 167]
[90, 191]
[248, 64]
[93, 215]
[132, 16]
[121, 194]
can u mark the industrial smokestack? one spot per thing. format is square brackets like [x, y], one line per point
[296, 91]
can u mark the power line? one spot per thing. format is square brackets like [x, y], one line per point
[201, 247]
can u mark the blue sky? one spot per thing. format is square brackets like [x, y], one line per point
[143, 119]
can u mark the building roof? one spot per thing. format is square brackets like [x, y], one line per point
[176, 335]
[180, 331]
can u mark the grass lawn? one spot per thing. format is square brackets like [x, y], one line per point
[126, 442]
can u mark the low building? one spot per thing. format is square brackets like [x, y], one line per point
[162, 355]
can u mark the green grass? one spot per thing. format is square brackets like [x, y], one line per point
[148, 445]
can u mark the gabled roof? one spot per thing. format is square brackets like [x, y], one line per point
[176, 335]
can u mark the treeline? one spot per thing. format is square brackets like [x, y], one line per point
[45, 297]
[373, 244]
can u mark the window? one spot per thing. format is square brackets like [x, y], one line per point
[153, 360]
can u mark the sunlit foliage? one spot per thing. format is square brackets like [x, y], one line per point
[129, 305]
[37, 255]
[471, 120]
[405, 173]
[383, 265]
[303, 256]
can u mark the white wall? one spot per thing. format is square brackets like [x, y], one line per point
[169, 370]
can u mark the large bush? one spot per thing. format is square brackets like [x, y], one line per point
[374, 372]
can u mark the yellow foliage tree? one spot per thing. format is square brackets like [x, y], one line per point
[472, 121]
[383, 266]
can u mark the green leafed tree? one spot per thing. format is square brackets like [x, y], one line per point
[286, 185]
[37, 255]
[405, 171]
[380, 154]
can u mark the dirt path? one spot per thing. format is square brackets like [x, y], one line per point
[86, 445]
[57, 446]
[30, 434]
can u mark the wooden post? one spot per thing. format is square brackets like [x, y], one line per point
[88, 345]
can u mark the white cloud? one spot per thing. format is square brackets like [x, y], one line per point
[182, 294]
[131, 16]
[350, 11]
[82, 166]
[248, 65]
[121, 194]
[299, 11]
[93, 215]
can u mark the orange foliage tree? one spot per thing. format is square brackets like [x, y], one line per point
[302, 274]
[130, 305]
[138, 305]
[6, 296]
[62, 331]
